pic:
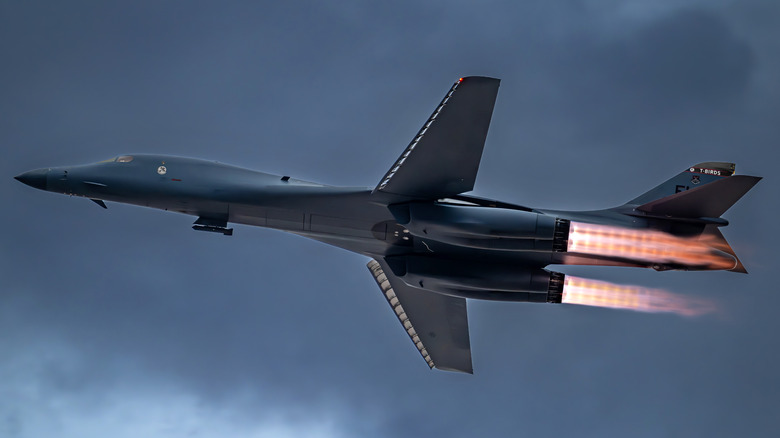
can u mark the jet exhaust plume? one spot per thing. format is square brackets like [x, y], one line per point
[650, 246]
[587, 292]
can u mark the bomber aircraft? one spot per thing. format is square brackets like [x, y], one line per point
[431, 245]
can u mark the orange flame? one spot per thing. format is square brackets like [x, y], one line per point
[649, 246]
[588, 292]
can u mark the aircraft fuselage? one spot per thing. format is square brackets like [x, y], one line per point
[498, 253]
[432, 245]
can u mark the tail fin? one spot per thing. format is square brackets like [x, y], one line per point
[694, 176]
[703, 190]
[696, 198]
[710, 201]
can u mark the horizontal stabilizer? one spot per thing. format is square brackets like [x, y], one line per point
[443, 158]
[710, 200]
[437, 324]
[713, 237]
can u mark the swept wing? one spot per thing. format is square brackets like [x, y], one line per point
[443, 158]
[437, 324]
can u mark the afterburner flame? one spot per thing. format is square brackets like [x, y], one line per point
[588, 292]
[650, 246]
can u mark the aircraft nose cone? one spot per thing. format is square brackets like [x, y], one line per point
[34, 178]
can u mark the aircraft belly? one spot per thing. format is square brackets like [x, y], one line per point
[344, 227]
[364, 235]
[376, 237]
[527, 240]
[369, 237]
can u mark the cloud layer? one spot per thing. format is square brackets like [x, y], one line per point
[126, 322]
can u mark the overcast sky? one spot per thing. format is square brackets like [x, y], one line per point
[125, 322]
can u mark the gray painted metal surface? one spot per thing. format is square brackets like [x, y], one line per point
[431, 246]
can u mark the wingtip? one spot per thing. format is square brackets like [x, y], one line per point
[478, 78]
[464, 370]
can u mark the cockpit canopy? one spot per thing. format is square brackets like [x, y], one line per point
[119, 159]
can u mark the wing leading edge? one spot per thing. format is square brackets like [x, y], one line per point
[437, 324]
[443, 158]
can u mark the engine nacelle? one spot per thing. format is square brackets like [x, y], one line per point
[484, 227]
[484, 281]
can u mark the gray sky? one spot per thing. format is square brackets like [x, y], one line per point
[127, 323]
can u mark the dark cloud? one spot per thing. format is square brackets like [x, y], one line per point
[683, 65]
[689, 56]
[111, 311]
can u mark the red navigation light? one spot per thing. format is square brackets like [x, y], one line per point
[460, 80]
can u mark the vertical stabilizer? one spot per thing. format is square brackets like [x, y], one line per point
[692, 177]
[707, 201]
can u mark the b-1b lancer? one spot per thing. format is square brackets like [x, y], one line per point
[431, 245]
